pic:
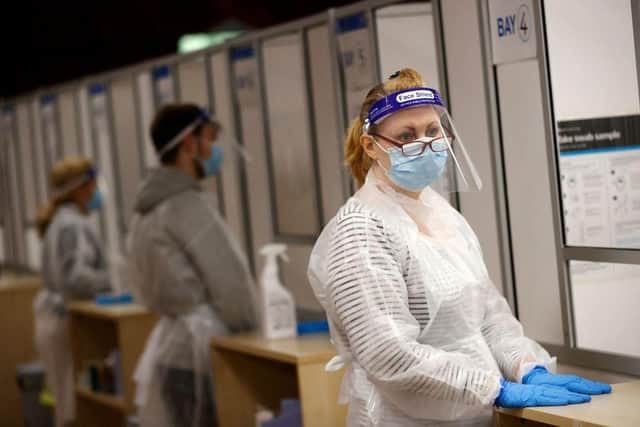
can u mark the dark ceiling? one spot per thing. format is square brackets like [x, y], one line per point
[49, 42]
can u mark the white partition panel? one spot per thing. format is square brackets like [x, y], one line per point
[30, 178]
[294, 275]
[580, 57]
[39, 153]
[193, 87]
[9, 145]
[69, 125]
[527, 173]
[126, 138]
[87, 137]
[356, 61]
[223, 107]
[192, 81]
[30, 171]
[468, 104]
[50, 129]
[330, 148]
[86, 146]
[596, 103]
[293, 174]
[247, 86]
[105, 150]
[407, 38]
[144, 89]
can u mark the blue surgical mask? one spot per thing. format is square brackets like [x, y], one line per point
[213, 164]
[415, 173]
[95, 202]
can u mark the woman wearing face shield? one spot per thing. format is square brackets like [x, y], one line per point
[426, 337]
[74, 267]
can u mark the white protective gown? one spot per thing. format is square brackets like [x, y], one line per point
[74, 267]
[413, 314]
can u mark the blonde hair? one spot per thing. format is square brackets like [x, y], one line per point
[64, 172]
[357, 159]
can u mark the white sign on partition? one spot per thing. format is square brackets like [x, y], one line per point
[513, 30]
[163, 81]
[49, 128]
[145, 101]
[356, 60]
[245, 68]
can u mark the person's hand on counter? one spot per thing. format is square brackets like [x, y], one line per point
[514, 395]
[540, 376]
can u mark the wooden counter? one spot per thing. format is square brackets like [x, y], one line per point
[17, 329]
[251, 371]
[621, 408]
[95, 331]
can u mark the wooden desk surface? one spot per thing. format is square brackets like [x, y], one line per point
[19, 283]
[110, 312]
[300, 350]
[620, 408]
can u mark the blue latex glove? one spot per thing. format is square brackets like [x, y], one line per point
[514, 395]
[540, 376]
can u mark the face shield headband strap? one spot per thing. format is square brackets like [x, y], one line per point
[396, 101]
[204, 117]
[63, 191]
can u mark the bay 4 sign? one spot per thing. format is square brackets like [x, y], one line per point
[511, 25]
[512, 30]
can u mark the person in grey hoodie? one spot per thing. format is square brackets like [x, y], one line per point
[185, 265]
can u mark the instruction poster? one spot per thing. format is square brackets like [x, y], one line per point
[163, 85]
[355, 60]
[600, 179]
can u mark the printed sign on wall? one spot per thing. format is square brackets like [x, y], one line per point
[50, 129]
[355, 60]
[163, 81]
[245, 80]
[600, 178]
[513, 30]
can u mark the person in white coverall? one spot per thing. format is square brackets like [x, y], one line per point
[425, 335]
[74, 267]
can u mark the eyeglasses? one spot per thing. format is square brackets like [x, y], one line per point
[437, 144]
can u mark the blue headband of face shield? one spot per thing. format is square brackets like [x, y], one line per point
[396, 101]
[203, 117]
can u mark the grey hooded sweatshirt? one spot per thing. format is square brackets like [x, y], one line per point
[182, 255]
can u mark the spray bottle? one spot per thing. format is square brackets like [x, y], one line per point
[277, 308]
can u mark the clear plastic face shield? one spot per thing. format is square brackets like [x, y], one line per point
[99, 195]
[69, 187]
[416, 131]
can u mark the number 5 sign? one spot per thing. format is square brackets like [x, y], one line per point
[513, 35]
